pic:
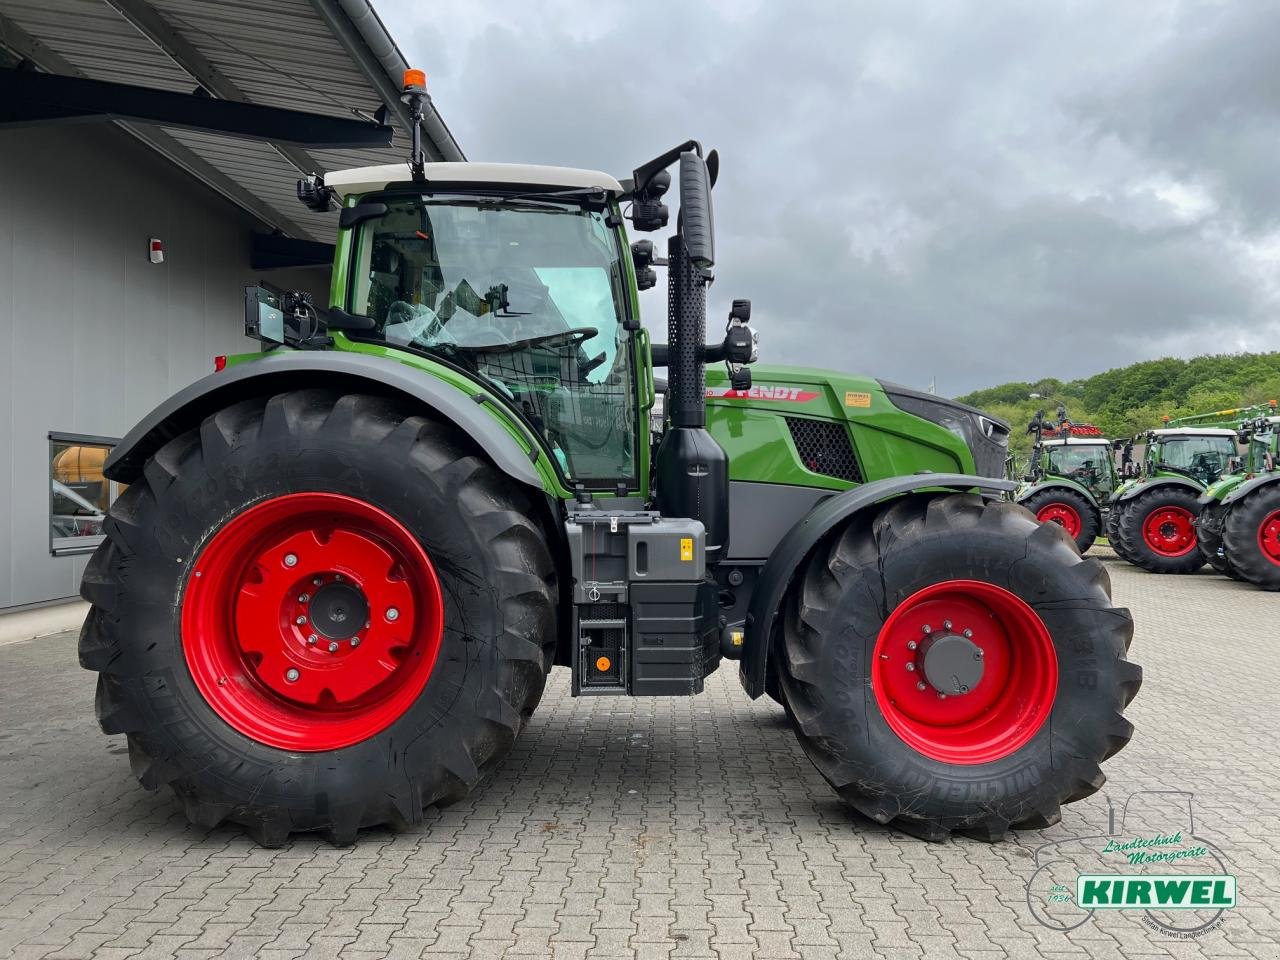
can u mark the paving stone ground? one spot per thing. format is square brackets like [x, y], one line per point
[647, 828]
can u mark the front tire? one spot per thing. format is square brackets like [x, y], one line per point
[1157, 530]
[318, 613]
[1251, 537]
[1209, 540]
[1010, 742]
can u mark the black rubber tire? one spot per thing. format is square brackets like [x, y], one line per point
[1209, 540]
[1129, 525]
[849, 588]
[1090, 523]
[497, 576]
[1240, 537]
[1114, 536]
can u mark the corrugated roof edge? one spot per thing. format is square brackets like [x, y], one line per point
[370, 29]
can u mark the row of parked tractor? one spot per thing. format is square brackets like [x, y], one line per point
[1199, 489]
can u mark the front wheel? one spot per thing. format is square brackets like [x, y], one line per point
[1209, 540]
[318, 613]
[951, 665]
[1251, 537]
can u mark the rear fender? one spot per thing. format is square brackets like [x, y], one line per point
[1246, 488]
[1060, 483]
[798, 543]
[350, 372]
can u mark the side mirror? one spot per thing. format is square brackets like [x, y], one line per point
[696, 223]
[263, 315]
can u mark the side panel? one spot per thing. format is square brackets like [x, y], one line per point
[795, 547]
[760, 514]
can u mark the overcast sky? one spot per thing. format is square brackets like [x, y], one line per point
[974, 191]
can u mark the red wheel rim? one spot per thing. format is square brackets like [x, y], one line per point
[1170, 531]
[1269, 537]
[1002, 710]
[1062, 514]
[312, 621]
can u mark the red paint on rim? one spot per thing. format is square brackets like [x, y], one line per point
[1170, 531]
[1004, 709]
[247, 625]
[1062, 514]
[1269, 537]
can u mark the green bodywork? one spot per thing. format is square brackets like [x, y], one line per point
[1264, 448]
[1097, 493]
[751, 428]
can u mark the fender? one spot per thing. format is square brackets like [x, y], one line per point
[786, 559]
[1249, 486]
[1063, 483]
[1142, 486]
[298, 369]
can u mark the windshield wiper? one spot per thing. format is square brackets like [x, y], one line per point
[596, 194]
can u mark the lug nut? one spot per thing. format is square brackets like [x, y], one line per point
[946, 624]
[300, 621]
[333, 646]
[304, 597]
[977, 654]
[393, 614]
[910, 666]
[290, 559]
[317, 581]
[312, 639]
[291, 674]
[941, 695]
[355, 641]
[921, 685]
[911, 644]
[926, 629]
[337, 576]
[967, 633]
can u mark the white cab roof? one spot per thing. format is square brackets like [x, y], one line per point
[368, 179]
[1078, 442]
[1194, 432]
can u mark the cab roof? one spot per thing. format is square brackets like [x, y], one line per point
[1077, 442]
[369, 179]
[1194, 432]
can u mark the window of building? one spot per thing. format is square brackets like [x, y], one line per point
[79, 494]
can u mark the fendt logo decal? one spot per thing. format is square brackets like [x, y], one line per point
[763, 392]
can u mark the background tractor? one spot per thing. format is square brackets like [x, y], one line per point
[1239, 524]
[343, 567]
[1070, 476]
[1151, 522]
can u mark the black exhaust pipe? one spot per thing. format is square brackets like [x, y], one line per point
[692, 470]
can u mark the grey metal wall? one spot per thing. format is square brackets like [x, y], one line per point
[92, 334]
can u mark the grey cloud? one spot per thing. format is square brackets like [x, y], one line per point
[970, 191]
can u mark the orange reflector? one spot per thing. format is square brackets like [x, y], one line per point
[603, 664]
[414, 78]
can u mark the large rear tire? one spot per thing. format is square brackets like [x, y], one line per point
[318, 613]
[1157, 530]
[1010, 742]
[1069, 510]
[1251, 537]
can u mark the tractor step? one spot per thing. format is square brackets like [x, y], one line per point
[646, 620]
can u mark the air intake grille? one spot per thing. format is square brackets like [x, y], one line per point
[824, 448]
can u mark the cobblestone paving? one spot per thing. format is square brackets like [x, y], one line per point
[668, 828]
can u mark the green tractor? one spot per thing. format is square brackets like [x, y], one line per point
[1070, 477]
[1151, 521]
[1239, 524]
[344, 566]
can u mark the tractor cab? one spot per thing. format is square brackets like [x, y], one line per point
[1201, 454]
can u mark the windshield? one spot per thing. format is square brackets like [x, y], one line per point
[1090, 465]
[1204, 458]
[527, 294]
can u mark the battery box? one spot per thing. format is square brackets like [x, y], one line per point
[646, 620]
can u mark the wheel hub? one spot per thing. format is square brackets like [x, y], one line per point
[951, 663]
[1062, 514]
[1170, 531]
[339, 611]
[1269, 537]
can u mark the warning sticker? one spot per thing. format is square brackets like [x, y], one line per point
[686, 548]
[853, 398]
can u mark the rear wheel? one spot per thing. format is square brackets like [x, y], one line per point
[1069, 510]
[318, 613]
[951, 665]
[1251, 537]
[1157, 529]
